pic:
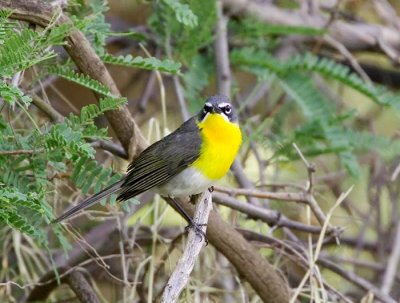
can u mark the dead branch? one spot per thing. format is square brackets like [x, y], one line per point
[181, 274]
[392, 264]
[271, 217]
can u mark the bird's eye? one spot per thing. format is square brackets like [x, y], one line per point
[207, 108]
[227, 109]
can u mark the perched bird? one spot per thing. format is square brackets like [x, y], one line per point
[186, 162]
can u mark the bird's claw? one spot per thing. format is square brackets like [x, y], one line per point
[198, 231]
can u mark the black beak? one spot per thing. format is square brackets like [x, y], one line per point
[216, 110]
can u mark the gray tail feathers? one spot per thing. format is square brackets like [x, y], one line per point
[90, 201]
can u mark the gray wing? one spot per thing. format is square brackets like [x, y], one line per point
[163, 160]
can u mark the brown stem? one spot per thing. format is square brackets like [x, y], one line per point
[81, 287]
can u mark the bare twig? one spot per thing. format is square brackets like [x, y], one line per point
[222, 53]
[355, 279]
[148, 91]
[17, 152]
[180, 276]
[392, 264]
[319, 214]
[269, 216]
[349, 56]
[181, 99]
[45, 107]
[300, 197]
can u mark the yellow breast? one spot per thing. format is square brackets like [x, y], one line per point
[221, 140]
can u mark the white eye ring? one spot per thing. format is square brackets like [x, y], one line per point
[227, 109]
[207, 108]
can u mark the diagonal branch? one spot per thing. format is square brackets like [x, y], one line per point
[180, 276]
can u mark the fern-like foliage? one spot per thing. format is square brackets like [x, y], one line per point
[12, 94]
[254, 28]
[63, 147]
[185, 41]
[88, 174]
[310, 63]
[89, 112]
[81, 79]
[183, 13]
[152, 63]
[323, 131]
[23, 49]
[89, 17]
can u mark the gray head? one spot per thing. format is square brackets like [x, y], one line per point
[218, 104]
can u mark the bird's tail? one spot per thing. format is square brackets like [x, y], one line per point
[90, 201]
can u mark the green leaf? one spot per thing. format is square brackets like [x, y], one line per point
[313, 104]
[183, 13]
[252, 27]
[80, 79]
[11, 94]
[152, 63]
[91, 111]
[257, 60]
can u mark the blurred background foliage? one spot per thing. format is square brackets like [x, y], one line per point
[285, 92]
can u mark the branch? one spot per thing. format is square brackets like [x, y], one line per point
[249, 263]
[81, 287]
[222, 53]
[180, 276]
[355, 36]
[268, 216]
[392, 264]
[299, 197]
[356, 280]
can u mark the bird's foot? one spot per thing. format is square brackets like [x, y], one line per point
[211, 189]
[198, 231]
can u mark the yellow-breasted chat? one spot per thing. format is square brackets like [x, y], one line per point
[186, 162]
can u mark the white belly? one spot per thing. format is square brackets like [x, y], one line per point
[188, 182]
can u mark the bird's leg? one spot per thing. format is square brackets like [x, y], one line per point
[196, 226]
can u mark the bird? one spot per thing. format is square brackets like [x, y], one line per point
[186, 162]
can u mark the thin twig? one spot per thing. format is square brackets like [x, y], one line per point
[392, 264]
[45, 107]
[300, 197]
[355, 279]
[181, 274]
[17, 152]
[319, 214]
[224, 76]
[269, 216]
